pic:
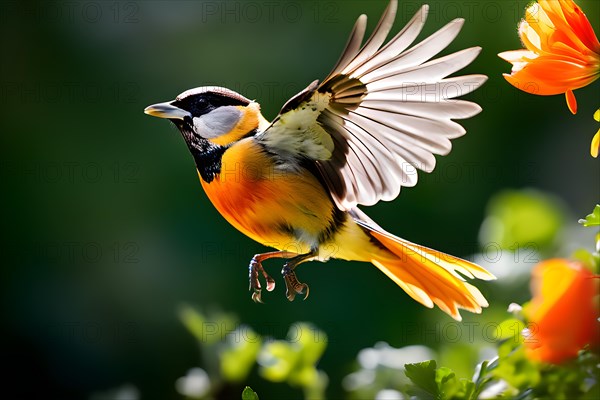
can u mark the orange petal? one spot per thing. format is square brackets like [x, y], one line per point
[571, 101]
[561, 54]
[536, 28]
[518, 58]
[514, 56]
[581, 26]
[549, 75]
[563, 312]
[571, 25]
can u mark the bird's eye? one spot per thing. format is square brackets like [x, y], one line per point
[200, 106]
[196, 105]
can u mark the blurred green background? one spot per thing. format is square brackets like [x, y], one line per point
[107, 230]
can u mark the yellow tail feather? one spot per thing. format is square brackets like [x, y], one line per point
[429, 276]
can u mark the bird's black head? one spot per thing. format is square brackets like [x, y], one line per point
[210, 119]
[210, 114]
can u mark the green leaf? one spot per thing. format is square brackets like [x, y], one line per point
[443, 375]
[239, 354]
[586, 258]
[423, 376]
[278, 360]
[483, 377]
[207, 331]
[592, 219]
[510, 329]
[312, 342]
[461, 357]
[447, 384]
[193, 321]
[469, 389]
[316, 391]
[249, 394]
[483, 370]
[522, 219]
[294, 360]
[514, 367]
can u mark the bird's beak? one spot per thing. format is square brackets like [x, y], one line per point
[166, 110]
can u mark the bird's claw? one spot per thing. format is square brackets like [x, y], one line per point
[293, 285]
[253, 269]
[257, 296]
[270, 282]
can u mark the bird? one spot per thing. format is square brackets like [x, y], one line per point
[353, 139]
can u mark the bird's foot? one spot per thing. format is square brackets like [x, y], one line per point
[255, 286]
[292, 284]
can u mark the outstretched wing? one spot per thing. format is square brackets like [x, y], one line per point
[382, 113]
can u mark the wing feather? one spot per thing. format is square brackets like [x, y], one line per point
[403, 136]
[377, 38]
[381, 155]
[421, 52]
[383, 112]
[352, 47]
[372, 156]
[402, 171]
[398, 44]
[458, 109]
[430, 92]
[431, 71]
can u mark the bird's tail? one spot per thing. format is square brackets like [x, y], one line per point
[429, 276]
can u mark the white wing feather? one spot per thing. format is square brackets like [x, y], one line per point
[382, 113]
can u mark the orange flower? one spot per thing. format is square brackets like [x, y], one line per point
[563, 313]
[562, 51]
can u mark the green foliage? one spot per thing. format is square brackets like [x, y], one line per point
[483, 377]
[294, 360]
[207, 331]
[510, 375]
[430, 382]
[514, 375]
[592, 219]
[239, 356]
[522, 218]
[249, 394]
[514, 368]
[591, 260]
[527, 379]
[231, 352]
[510, 330]
[423, 376]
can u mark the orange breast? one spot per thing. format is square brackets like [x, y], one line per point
[287, 210]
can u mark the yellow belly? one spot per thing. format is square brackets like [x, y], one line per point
[287, 210]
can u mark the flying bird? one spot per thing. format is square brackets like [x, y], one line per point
[354, 138]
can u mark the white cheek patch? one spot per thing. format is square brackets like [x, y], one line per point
[217, 122]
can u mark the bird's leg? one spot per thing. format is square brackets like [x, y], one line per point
[256, 267]
[292, 284]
